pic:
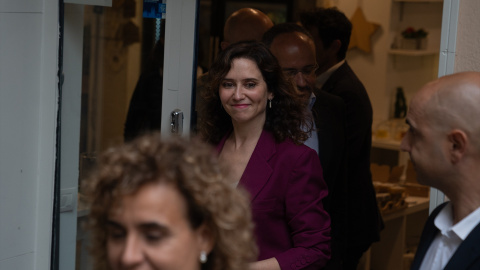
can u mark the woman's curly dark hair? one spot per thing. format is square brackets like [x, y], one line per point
[192, 168]
[288, 113]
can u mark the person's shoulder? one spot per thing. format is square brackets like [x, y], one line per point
[323, 97]
[346, 79]
[344, 83]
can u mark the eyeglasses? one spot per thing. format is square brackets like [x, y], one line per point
[306, 71]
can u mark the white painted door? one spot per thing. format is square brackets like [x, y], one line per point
[179, 63]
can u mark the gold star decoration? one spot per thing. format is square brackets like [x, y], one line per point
[362, 31]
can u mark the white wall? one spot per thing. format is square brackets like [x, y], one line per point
[371, 68]
[382, 73]
[467, 55]
[28, 95]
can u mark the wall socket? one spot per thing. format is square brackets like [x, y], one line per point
[68, 199]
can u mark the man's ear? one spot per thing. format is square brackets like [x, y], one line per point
[205, 238]
[335, 46]
[457, 145]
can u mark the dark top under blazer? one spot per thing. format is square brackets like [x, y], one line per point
[329, 114]
[365, 222]
[467, 255]
[286, 187]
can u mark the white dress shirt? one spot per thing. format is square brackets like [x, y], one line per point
[322, 78]
[312, 140]
[448, 239]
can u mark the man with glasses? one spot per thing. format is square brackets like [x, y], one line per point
[331, 32]
[294, 49]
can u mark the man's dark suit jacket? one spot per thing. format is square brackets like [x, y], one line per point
[329, 114]
[467, 256]
[364, 219]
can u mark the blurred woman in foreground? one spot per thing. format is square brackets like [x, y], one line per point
[165, 205]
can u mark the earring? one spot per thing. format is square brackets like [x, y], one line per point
[270, 103]
[203, 257]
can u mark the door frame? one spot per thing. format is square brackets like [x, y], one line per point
[178, 81]
[179, 62]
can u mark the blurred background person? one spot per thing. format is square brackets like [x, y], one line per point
[245, 24]
[166, 205]
[331, 31]
[294, 49]
[145, 109]
[255, 116]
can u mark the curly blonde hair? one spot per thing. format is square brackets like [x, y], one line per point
[192, 168]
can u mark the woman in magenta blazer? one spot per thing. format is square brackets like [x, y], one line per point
[254, 115]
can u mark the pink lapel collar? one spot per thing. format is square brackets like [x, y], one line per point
[258, 170]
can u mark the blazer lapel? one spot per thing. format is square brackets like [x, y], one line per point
[428, 234]
[258, 171]
[467, 253]
[330, 83]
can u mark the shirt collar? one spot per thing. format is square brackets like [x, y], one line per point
[322, 78]
[444, 222]
[311, 101]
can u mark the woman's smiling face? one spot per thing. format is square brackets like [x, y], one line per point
[244, 93]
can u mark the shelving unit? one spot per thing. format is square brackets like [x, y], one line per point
[419, 1]
[402, 231]
[392, 148]
[409, 69]
[412, 52]
[386, 144]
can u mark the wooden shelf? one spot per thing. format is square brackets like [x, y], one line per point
[415, 204]
[419, 1]
[400, 226]
[412, 52]
[386, 144]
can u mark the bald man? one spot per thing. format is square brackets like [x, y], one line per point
[294, 49]
[444, 146]
[245, 24]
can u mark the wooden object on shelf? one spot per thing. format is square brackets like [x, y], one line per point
[411, 185]
[413, 43]
[413, 52]
[383, 173]
[419, 1]
[386, 144]
[411, 175]
[417, 190]
[390, 197]
[408, 260]
[380, 173]
[362, 31]
[396, 174]
[400, 236]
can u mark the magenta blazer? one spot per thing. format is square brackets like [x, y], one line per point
[286, 187]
